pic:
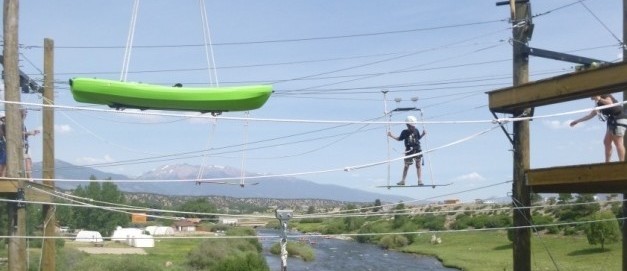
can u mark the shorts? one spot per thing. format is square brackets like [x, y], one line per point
[3, 153]
[617, 127]
[410, 160]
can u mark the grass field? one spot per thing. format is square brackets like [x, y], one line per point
[469, 251]
[490, 250]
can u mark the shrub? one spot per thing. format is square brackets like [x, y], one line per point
[603, 232]
[247, 261]
[294, 249]
[219, 253]
[393, 241]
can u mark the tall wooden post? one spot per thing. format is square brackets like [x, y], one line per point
[50, 221]
[14, 135]
[624, 228]
[520, 191]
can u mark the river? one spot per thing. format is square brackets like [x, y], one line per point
[341, 255]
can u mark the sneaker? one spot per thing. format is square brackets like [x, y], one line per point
[401, 183]
[420, 183]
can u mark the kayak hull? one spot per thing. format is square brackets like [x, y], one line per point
[119, 94]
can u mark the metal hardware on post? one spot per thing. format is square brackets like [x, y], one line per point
[21, 198]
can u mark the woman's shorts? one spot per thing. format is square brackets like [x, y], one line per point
[618, 127]
[410, 160]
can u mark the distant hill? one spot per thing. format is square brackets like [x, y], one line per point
[275, 187]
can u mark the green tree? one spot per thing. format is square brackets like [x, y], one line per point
[564, 198]
[311, 209]
[102, 219]
[535, 198]
[399, 219]
[603, 232]
[199, 208]
[377, 205]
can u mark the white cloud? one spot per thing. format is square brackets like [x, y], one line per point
[555, 124]
[94, 160]
[63, 129]
[473, 176]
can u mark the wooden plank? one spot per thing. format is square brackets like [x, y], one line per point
[8, 186]
[591, 178]
[34, 195]
[9, 189]
[561, 88]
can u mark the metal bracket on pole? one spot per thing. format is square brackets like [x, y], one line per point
[283, 216]
[406, 109]
[511, 140]
[20, 197]
[562, 56]
[27, 84]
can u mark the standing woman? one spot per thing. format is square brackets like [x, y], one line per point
[616, 125]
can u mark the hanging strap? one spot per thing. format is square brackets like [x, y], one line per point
[425, 154]
[389, 114]
[211, 63]
[243, 172]
[201, 170]
[129, 42]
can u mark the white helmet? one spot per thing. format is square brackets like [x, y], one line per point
[411, 120]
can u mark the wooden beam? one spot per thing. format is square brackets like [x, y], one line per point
[563, 88]
[9, 189]
[592, 178]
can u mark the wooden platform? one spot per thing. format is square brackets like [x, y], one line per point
[590, 178]
[8, 189]
[563, 88]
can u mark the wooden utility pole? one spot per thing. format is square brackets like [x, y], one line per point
[520, 191]
[50, 221]
[14, 135]
[624, 229]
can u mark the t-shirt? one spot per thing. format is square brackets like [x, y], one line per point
[614, 111]
[411, 139]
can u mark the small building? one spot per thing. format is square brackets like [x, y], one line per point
[160, 230]
[452, 201]
[185, 226]
[228, 221]
[133, 237]
[141, 240]
[89, 237]
[124, 234]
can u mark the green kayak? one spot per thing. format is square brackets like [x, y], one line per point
[146, 96]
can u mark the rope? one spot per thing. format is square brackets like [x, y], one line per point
[201, 170]
[501, 120]
[242, 171]
[423, 152]
[425, 143]
[533, 227]
[347, 168]
[389, 114]
[622, 44]
[129, 42]
[211, 63]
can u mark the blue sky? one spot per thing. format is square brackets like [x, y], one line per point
[327, 60]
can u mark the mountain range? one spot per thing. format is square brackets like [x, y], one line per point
[180, 183]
